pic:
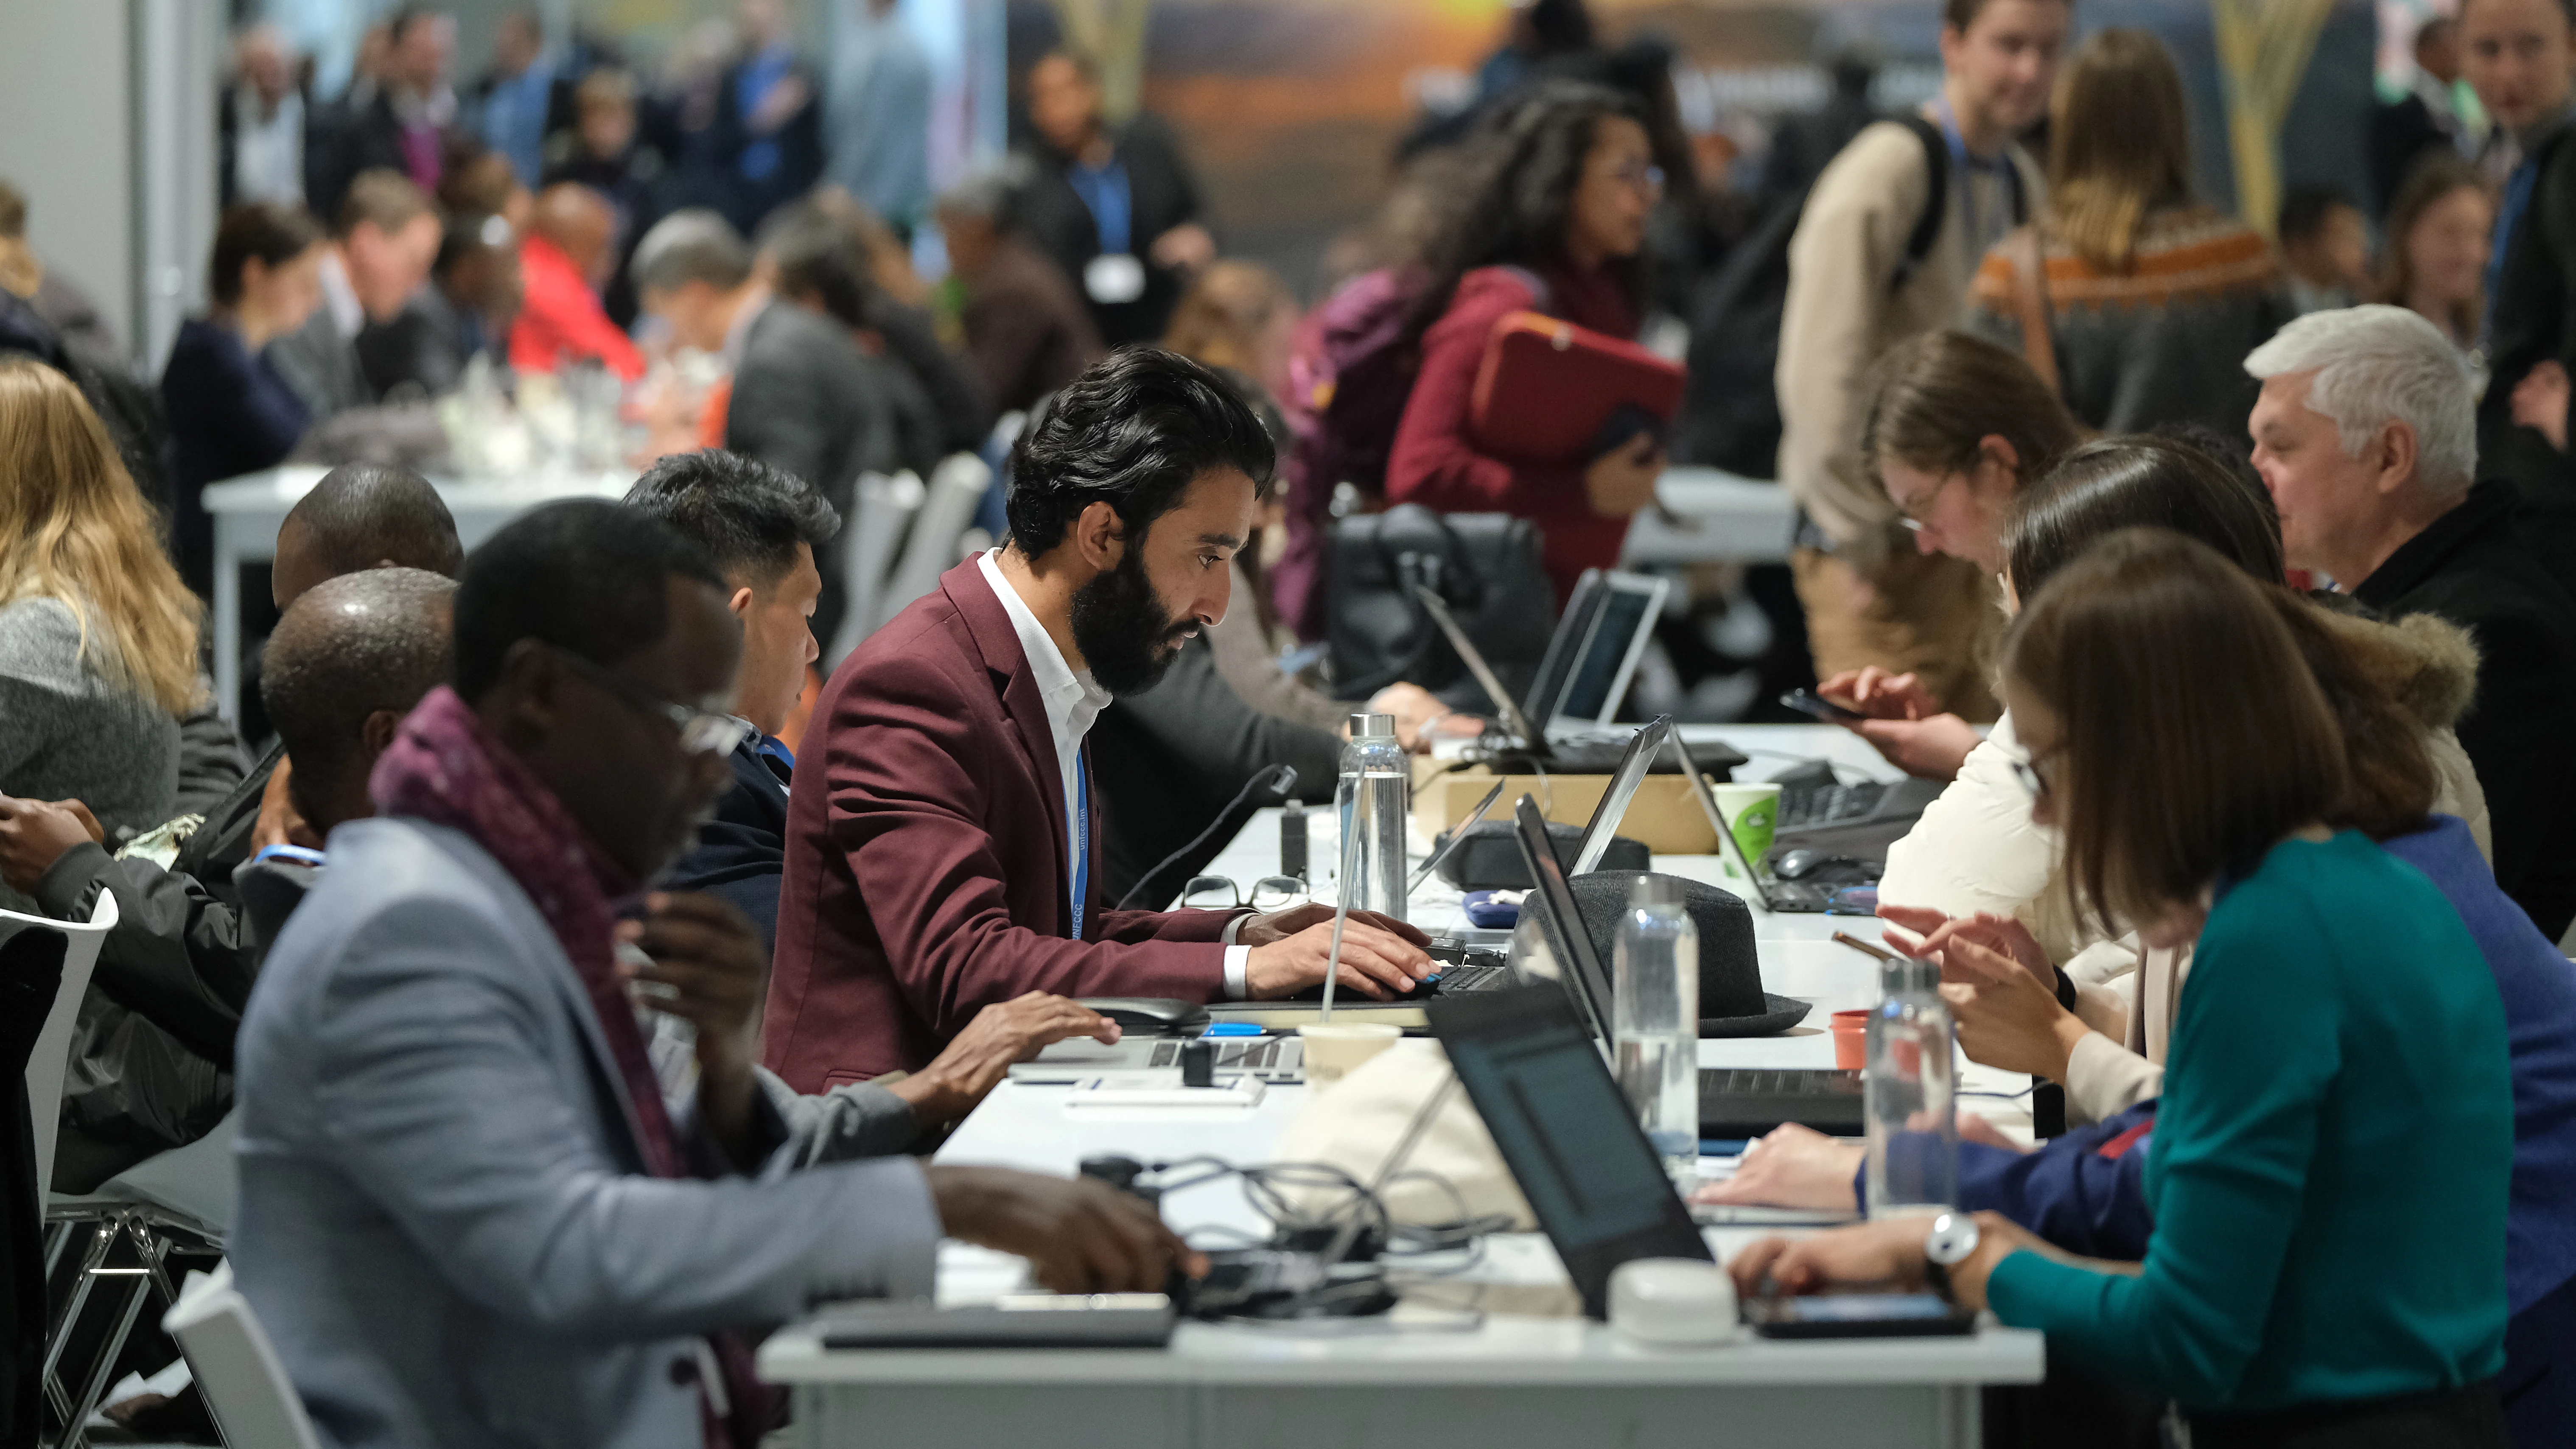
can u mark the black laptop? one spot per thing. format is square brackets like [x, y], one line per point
[1734, 1102]
[1566, 1133]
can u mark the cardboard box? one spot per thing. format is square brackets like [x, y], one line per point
[1665, 816]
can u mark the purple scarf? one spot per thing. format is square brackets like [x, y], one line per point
[446, 768]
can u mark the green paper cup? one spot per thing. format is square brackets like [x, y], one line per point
[1754, 812]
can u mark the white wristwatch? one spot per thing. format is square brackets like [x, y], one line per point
[1953, 1237]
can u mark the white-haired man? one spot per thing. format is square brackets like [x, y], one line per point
[2366, 435]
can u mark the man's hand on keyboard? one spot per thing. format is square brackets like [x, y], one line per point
[1381, 956]
[1794, 1167]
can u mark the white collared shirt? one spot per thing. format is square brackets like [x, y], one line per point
[347, 313]
[1073, 702]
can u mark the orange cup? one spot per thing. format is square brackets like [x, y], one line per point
[1851, 1039]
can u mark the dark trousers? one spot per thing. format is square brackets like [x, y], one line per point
[2469, 1418]
[2538, 1385]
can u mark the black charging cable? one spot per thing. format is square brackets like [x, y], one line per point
[1279, 779]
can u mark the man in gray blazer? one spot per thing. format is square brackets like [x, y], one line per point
[468, 1214]
[805, 400]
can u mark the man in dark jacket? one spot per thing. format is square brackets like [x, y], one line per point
[804, 399]
[1117, 207]
[2518, 58]
[2395, 523]
[1171, 759]
[153, 1046]
[1027, 330]
[762, 527]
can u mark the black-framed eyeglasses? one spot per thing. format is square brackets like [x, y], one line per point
[701, 732]
[1910, 514]
[1220, 893]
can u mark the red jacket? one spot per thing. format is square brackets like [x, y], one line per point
[926, 871]
[560, 316]
[1436, 463]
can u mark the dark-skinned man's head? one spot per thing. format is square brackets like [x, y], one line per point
[588, 635]
[363, 516]
[349, 660]
[1141, 477]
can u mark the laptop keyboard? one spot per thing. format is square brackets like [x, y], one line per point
[1467, 978]
[1813, 805]
[1777, 1082]
[1268, 1057]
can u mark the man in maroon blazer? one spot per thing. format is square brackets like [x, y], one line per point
[941, 853]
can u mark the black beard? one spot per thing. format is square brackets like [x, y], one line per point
[1123, 631]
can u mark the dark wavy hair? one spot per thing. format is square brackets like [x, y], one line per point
[1518, 191]
[1131, 432]
[2141, 480]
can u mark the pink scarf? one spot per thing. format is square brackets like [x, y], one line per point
[446, 768]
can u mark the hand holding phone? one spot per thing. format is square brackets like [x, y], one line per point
[1816, 706]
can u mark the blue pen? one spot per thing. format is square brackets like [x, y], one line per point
[1231, 1028]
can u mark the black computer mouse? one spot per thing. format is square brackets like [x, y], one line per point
[1148, 1013]
[1794, 865]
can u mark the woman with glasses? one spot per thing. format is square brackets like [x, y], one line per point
[1955, 426]
[2333, 1159]
[1979, 852]
[2126, 293]
[1553, 220]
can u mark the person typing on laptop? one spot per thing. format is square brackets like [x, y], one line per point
[942, 846]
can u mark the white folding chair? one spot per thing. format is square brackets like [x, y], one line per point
[956, 486]
[246, 1388]
[881, 508]
[52, 1056]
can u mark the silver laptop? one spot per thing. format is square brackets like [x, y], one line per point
[1784, 897]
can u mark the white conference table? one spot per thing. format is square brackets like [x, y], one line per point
[249, 510]
[1712, 517]
[1421, 1379]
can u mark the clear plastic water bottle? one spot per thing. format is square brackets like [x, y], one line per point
[1655, 1026]
[1375, 796]
[1911, 1085]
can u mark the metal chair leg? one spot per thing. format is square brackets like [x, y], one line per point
[59, 1336]
[76, 1423]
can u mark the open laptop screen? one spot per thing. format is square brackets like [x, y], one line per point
[1568, 1135]
[1624, 780]
[1578, 966]
[1614, 639]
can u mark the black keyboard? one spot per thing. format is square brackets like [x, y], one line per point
[1741, 1102]
[1803, 807]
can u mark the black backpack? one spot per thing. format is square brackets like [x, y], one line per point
[1731, 413]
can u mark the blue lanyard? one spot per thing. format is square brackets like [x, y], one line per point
[1081, 841]
[1106, 193]
[2517, 200]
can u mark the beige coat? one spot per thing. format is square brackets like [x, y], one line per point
[1976, 850]
[1839, 316]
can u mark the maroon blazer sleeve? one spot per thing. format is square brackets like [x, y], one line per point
[913, 779]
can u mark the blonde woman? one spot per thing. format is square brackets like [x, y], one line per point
[2126, 287]
[98, 637]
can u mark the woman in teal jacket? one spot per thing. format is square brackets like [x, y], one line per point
[2331, 1163]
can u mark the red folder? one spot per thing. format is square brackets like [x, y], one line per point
[1551, 392]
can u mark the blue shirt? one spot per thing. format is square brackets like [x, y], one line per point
[514, 119]
[2333, 1156]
